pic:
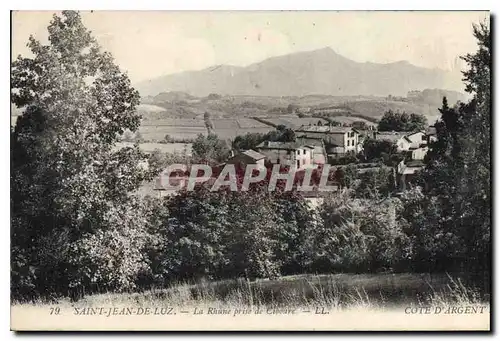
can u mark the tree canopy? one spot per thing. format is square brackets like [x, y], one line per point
[68, 182]
[396, 121]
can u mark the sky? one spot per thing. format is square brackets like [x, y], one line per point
[149, 44]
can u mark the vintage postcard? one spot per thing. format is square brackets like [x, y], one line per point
[300, 170]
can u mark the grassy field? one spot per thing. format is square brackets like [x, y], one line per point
[336, 291]
[306, 302]
[171, 148]
[292, 121]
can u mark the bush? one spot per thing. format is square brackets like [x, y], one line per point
[358, 236]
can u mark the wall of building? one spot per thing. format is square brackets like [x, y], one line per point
[301, 157]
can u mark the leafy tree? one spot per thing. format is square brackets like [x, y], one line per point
[346, 176]
[66, 179]
[210, 148]
[208, 122]
[417, 123]
[378, 183]
[128, 136]
[361, 125]
[396, 121]
[287, 135]
[457, 204]
[357, 235]
[379, 150]
[291, 108]
[247, 141]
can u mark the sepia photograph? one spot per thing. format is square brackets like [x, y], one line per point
[250, 170]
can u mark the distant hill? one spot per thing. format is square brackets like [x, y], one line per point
[318, 72]
[434, 97]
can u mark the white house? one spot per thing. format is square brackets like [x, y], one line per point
[339, 140]
[402, 142]
[418, 139]
[292, 154]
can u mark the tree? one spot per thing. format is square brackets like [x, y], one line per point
[67, 182]
[379, 150]
[287, 135]
[396, 121]
[291, 108]
[210, 148]
[457, 204]
[128, 136]
[361, 125]
[208, 122]
[247, 141]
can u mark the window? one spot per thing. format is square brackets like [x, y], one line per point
[348, 143]
[298, 163]
[304, 152]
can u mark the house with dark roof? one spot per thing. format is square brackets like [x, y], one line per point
[399, 138]
[248, 157]
[319, 152]
[338, 140]
[293, 154]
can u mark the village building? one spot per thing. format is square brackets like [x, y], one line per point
[292, 154]
[338, 140]
[319, 152]
[248, 157]
[407, 171]
[401, 140]
[418, 139]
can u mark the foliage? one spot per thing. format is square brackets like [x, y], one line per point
[65, 176]
[227, 235]
[210, 148]
[396, 121]
[454, 213]
[361, 125]
[208, 122]
[381, 151]
[358, 236]
[252, 140]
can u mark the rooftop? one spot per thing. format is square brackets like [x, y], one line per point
[324, 129]
[281, 145]
[310, 141]
[253, 154]
[390, 135]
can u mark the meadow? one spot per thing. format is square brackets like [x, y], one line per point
[335, 291]
[171, 148]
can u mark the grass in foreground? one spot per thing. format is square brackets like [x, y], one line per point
[337, 291]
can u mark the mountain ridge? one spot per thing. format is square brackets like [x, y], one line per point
[321, 71]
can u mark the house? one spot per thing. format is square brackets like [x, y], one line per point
[292, 154]
[248, 157]
[419, 153]
[401, 140]
[407, 172]
[319, 151]
[338, 140]
[418, 139]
